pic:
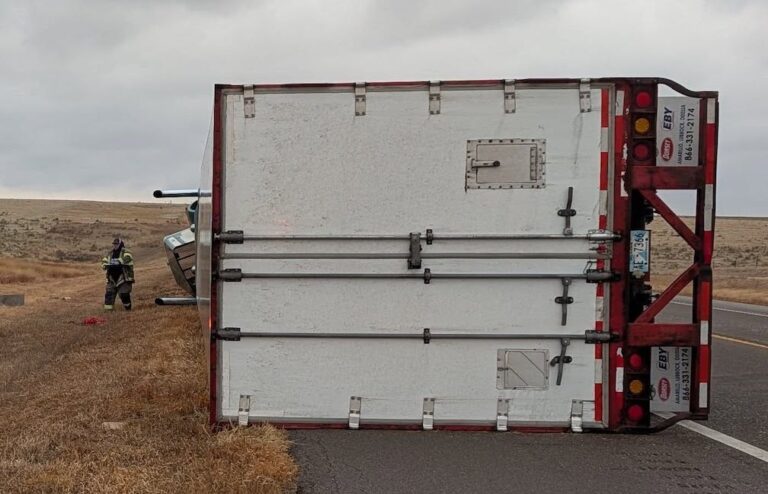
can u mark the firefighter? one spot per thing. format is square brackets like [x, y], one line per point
[118, 265]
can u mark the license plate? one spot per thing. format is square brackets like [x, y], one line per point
[639, 251]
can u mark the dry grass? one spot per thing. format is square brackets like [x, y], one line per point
[26, 271]
[82, 231]
[740, 263]
[61, 381]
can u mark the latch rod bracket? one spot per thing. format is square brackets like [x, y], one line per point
[561, 359]
[414, 261]
[567, 213]
[564, 300]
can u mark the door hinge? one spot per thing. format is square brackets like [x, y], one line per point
[585, 96]
[244, 410]
[360, 99]
[577, 414]
[434, 97]
[249, 102]
[509, 96]
[428, 414]
[502, 415]
[355, 406]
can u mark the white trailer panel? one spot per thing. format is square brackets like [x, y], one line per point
[302, 163]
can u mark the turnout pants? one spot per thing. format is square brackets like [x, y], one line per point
[123, 290]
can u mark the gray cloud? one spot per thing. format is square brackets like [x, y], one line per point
[113, 99]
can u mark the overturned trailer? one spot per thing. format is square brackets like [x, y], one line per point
[458, 254]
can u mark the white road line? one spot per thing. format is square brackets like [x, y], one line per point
[732, 442]
[739, 340]
[727, 310]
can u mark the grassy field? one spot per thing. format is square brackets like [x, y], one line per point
[118, 406]
[740, 263]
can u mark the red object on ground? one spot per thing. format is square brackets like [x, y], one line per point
[92, 321]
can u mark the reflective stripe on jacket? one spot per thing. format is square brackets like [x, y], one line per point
[125, 260]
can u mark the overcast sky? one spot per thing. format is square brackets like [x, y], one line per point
[108, 99]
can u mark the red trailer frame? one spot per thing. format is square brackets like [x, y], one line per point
[635, 193]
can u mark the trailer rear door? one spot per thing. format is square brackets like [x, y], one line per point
[417, 255]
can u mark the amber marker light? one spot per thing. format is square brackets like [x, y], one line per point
[636, 386]
[642, 125]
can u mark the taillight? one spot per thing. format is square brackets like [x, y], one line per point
[635, 362]
[641, 151]
[636, 413]
[643, 99]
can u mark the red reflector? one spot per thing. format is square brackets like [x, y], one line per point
[635, 362]
[635, 413]
[641, 152]
[643, 99]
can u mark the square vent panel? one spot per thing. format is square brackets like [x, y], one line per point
[522, 369]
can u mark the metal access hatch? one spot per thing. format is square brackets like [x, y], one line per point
[505, 163]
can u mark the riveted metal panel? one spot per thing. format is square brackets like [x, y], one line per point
[505, 163]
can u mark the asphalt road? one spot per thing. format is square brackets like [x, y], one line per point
[676, 460]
